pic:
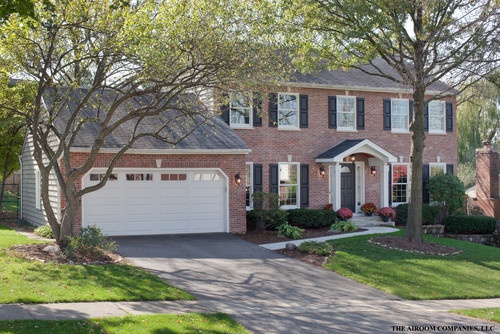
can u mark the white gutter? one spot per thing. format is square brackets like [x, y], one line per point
[164, 151]
[20, 187]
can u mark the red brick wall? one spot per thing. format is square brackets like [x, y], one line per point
[487, 180]
[270, 145]
[230, 164]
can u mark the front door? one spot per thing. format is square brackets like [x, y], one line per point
[347, 188]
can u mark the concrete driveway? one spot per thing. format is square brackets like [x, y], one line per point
[269, 293]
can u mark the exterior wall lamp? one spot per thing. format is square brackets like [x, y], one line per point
[322, 171]
[373, 170]
[237, 179]
[352, 158]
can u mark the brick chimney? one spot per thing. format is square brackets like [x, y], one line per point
[487, 179]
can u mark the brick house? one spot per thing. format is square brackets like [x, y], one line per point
[333, 137]
[339, 137]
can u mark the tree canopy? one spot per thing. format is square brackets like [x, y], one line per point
[150, 53]
[423, 41]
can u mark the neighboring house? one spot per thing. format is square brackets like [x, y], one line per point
[335, 137]
[339, 137]
[488, 180]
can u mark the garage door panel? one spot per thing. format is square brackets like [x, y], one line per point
[158, 206]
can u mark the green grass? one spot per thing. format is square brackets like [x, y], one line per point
[472, 274]
[490, 314]
[24, 281]
[160, 323]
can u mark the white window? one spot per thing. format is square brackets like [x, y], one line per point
[436, 168]
[400, 183]
[289, 185]
[240, 110]
[249, 185]
[38, 189]
[437, 117]
[288, 111]
[400, 114]
[346, 112]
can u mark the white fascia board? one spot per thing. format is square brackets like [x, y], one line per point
[164, 151]
[357, 88]
[366, 146]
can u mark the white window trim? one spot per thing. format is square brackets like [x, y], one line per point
[250, 183]
[38, 189]
[443, 129]
[441, 165]
[399, 130]
[250, 112]
[288, 207]
[296, 125]
[407, 181]
[344, 128]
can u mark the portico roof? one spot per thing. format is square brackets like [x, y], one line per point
[352, 146]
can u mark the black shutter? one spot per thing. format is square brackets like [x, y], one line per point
[257, 109]
[303, 108]
[332, 112]
[426, 117]
[387, 114]
[449, 117]
[410, 115]
[449, 169]
[273, 179]
[360, 113]
[273, 110]
[425, 181]
[257, 178]
[304, 186]
[224, 108]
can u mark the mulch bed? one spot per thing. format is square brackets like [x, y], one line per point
[402, 244]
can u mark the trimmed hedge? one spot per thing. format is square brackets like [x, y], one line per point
[311, 218]
[430, 214]
[463, 224]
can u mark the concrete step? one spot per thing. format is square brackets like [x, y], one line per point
[364, 221]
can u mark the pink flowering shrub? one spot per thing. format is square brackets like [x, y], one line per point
[344, 213]
[387, 212]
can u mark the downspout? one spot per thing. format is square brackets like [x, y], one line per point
[20, 157]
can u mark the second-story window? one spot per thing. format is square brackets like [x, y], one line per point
[240, 109]
[288, 110]
[346, 112]
[437, 117]
[400, 112]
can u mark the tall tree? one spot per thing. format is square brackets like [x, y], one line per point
[423, 41]
[147, 54]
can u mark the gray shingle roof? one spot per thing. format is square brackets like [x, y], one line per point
[357, 78]
[339, 149]
[211, 134]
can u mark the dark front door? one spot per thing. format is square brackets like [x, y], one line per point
[347, 187]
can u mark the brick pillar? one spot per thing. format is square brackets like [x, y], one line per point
[487, 180]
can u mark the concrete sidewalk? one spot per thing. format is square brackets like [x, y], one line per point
[75, 311]
[369, 230]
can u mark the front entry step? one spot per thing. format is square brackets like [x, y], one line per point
[364, 221]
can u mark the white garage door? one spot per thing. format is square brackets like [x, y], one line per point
[157, 202]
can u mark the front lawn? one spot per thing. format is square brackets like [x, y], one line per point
[24, 281]
[160, 323]
[490, 314]
[471, 274]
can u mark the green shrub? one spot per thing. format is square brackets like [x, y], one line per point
[318, 248]
[448, 192]
[311, 218]
[89, 244]
[429, 214]
[462, 224]
[344, 226]
[44, 231]
[266, 219]
[290, 231]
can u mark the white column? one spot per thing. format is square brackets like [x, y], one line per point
[384, 189]
[335, 185]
